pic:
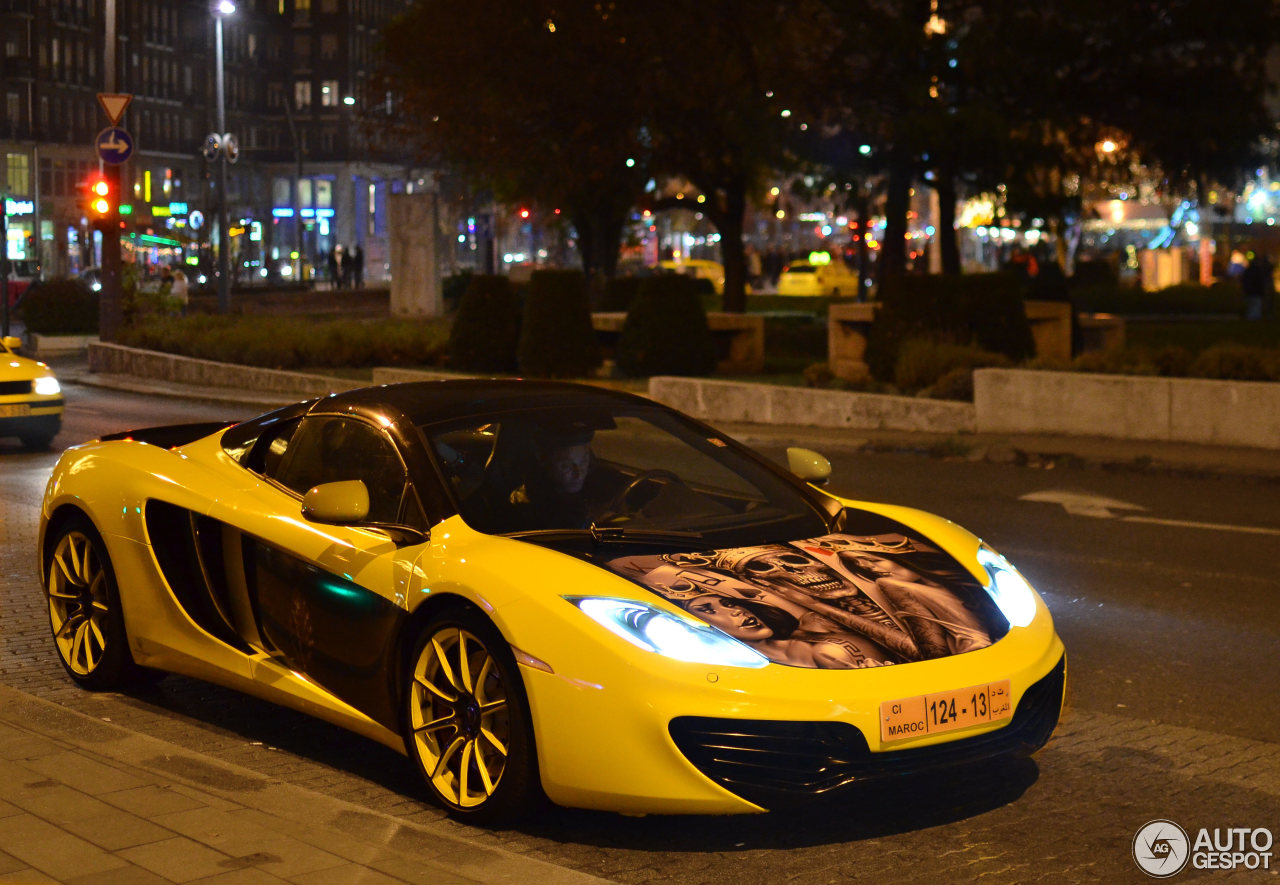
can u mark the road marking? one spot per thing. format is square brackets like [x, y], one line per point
[1099, 507]
[1081, 504]
[1215, 526]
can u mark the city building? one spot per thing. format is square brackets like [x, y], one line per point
[310, 173]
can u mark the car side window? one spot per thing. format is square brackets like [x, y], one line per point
[333, 449]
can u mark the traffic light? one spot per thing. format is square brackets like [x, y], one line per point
[99, 202]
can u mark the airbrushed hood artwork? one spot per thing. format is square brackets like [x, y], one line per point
[835, 602]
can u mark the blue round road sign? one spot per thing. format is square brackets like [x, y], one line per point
[114, 145]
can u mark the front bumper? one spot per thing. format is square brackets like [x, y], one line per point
[656, 736]
[777, 764]
[20, 416]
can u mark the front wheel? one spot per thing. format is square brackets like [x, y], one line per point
[84, 609]
[467, 723]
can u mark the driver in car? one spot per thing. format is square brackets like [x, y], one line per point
[569, 490]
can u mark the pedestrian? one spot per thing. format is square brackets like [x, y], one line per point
[357, 266]
[178, 291]
[1256, 281]
[339, 267]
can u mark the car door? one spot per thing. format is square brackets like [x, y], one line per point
[329, 600]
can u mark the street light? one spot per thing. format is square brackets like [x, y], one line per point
[224, 8]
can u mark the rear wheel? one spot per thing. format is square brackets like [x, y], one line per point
[84, 608]
[467, 723]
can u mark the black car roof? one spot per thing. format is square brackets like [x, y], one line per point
[431, 402]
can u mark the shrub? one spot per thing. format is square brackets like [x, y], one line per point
[1223, 297]
[985, 310]
[1234, 362]
[1100, 272]
[556, 337]
[619, 294]
[486, 326]
[666, 330]
[61, 307]
[923, 363]
[453, 287]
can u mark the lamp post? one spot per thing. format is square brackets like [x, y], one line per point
[224, 8]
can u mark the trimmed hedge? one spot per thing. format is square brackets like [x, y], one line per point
[286, 343]
[1223, 297]
[61, 307]
[982, 310]
[556, 336]
[486, 326]
[666, 331]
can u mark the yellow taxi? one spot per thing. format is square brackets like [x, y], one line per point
[30, 397]
[818, 277]
[698, 268]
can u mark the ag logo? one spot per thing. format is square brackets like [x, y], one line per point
[1161, 849]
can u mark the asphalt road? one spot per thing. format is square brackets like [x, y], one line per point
[1164, 589]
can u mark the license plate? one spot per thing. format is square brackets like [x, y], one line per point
[14, 410]
[945, 711]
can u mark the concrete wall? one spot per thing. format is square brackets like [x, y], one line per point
[1235, 413]
[1228, 413]
[772, 404]
[114, 359]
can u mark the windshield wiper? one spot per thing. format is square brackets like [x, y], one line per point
[610, 535]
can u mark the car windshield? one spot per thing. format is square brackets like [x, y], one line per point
[800, 268]
[616, 472]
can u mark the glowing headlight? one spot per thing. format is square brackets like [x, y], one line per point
[1011, 592]
[47, 386]
[666, 634]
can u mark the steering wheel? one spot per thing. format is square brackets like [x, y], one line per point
[621, 506]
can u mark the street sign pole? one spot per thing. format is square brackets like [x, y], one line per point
[111, 306]
[4, 261]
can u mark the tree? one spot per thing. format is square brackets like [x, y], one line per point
[717, 98]
[1004, 92]
[533, 101]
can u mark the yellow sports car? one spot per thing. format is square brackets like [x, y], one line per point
[539, 589]
[30, 398]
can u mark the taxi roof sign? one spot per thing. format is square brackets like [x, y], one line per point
[114, 104]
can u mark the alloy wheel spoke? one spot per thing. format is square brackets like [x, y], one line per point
[464, 771]
[442, 659]
[494, 742]
[446, 756]
[483, 769]
[483, 679]
[69, 625]
[430, 686]
[464, 665]
[434, 725]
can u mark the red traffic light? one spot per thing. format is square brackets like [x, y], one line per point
[524, 213]
[100, 196]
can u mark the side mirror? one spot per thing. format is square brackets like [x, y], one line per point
[808, 465]
[13, 342]
[337, 503]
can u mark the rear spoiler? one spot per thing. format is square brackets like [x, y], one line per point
[171, 435]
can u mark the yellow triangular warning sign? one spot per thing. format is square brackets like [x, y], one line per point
[114, 104]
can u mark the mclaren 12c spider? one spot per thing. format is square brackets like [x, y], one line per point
[536, 589]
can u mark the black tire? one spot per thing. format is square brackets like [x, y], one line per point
[468, 728]
[84, 608]
[40, 434]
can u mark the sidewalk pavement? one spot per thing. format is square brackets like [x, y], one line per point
[1034, 450]
[86, 801]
